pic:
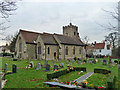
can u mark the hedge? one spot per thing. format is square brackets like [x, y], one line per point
[111, 82]
[63, 72]
[103, 71]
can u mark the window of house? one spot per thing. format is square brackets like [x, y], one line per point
[48, 50]
[108, 48]
[39, 50]
[20, 47]
[100, 50]
[66, 50]
[74, 51]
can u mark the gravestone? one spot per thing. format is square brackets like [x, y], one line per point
[70, 64]
[113, 64]
[119, 62]
[110, 61]
[84, 61]
[73, 61]
[78, 61]
[47, 67]
[46, 62]
[31, 64]
[6, 67]
[38, 66]
[104, 62]
[55, 67]
[68, 60]
[90, 62]
[61, 65]
[116, 61]
[94, 61]
[101, 60]
[14, 68]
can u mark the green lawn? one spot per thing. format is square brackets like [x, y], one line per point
[31, 78]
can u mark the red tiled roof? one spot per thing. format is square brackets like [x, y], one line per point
[99, 46]
[89, 47]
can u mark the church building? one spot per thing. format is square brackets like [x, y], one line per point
[46, 46]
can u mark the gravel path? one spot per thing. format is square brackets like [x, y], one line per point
[84, 77]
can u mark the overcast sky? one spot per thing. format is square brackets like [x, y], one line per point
[39, 16]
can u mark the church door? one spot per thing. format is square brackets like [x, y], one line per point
[54, 55]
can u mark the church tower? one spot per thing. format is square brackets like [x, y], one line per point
[71, 31]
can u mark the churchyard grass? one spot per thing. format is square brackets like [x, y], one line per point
[31, 78]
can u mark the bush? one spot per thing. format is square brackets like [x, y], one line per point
[7, 54]
[80, 69]
[103, 71]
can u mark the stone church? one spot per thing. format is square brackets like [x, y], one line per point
[46, 46]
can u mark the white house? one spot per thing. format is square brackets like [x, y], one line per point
[102, 49]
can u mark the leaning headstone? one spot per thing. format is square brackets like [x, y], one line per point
[14, 68]
[61, 65]
[55, 67]
[38, 66]
[47, 67]
[6, 67]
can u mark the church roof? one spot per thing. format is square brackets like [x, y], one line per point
[48, 38]
[68, 40]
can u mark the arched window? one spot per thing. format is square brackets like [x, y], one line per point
[73, 50]
[48, 50]
[66, 50]
[20, 47]
[39, 50]
[79, 51]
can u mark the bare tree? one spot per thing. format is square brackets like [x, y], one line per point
[86, 40]
[112, 38]
[6, 9]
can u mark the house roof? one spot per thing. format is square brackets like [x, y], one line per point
[48, 38]
[89, 47]
[99, 46]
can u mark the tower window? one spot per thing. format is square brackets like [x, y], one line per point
[39, 50]
[74, 33]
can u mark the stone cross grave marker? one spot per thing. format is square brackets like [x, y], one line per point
[61, 65]
[6, 67]
[14, 68]
[38, 66]
[47, 67]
